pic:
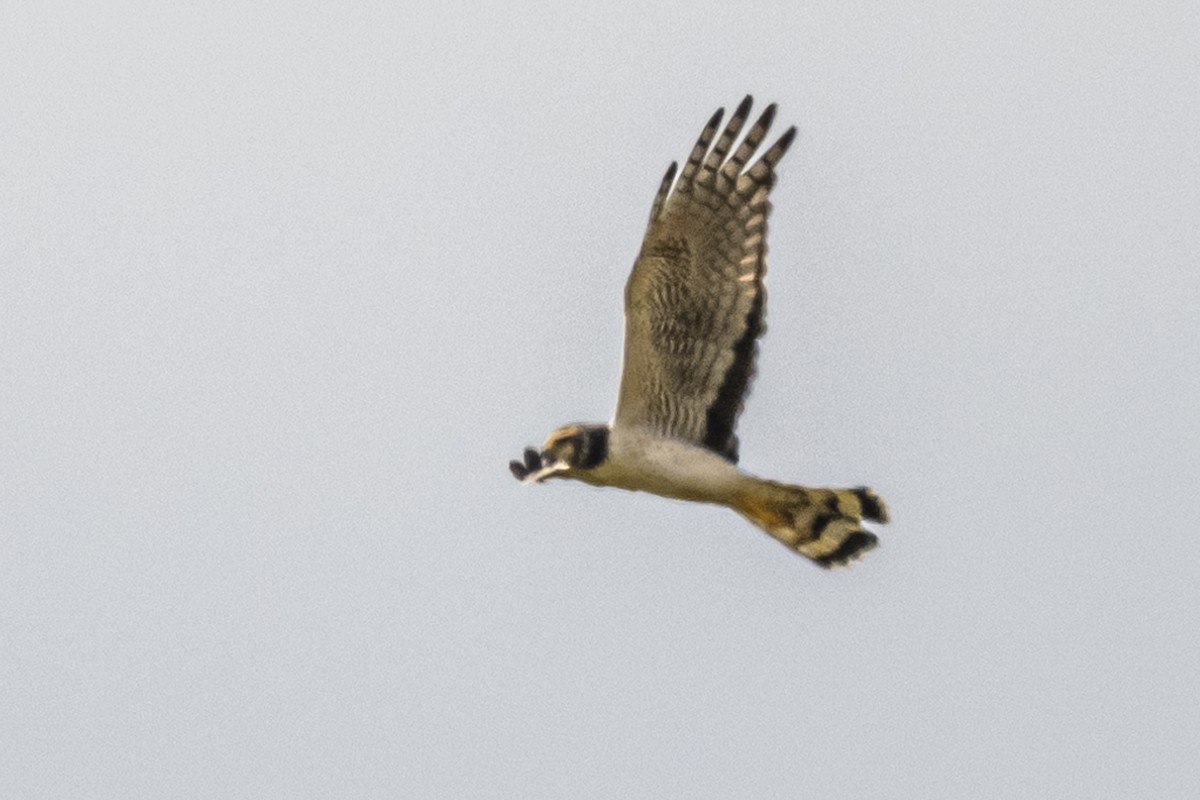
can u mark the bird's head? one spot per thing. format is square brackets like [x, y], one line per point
[568, 450]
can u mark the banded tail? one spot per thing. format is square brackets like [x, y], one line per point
[824, 525]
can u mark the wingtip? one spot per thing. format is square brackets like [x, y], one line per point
[767, 117]
[785, 141]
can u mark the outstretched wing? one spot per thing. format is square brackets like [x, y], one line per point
[694, 303]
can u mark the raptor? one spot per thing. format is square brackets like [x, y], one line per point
[694, 309]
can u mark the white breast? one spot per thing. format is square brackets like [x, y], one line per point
[668, 467]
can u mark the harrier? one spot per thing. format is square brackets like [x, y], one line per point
[694, 308]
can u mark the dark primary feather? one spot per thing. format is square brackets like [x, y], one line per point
[695, 301]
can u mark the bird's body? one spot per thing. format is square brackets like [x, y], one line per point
[694, 308]
[643, 462]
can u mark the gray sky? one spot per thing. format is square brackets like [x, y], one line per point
[283, 289]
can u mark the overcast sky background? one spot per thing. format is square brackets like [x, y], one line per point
[283, 288]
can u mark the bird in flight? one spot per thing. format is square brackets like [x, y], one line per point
[694, 308]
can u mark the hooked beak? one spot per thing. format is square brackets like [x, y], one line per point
[535, 468]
